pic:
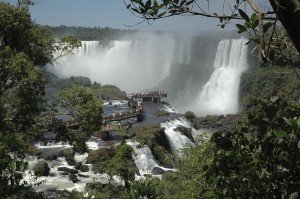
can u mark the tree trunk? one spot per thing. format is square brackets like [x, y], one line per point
[288, 13]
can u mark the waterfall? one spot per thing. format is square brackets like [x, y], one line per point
[176, 139]
[143, 158]
[220, 94]
[132, 65]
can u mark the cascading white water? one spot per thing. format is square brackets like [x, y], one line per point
[176, 140]
[143, 158]
[132, 65]
[56, 181]
[220, 94]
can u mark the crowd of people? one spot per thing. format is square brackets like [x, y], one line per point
[121, 115]
[149, 94]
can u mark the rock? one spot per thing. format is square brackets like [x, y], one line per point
[78, 165]
[73, 178]
[84, 168]
[41, 169]
[94, 186]
[71, 161]
[67, 171]
[83, 176]
[157, 171]
[68, 154]
[148, 175]
[186, 132]
[51, 157]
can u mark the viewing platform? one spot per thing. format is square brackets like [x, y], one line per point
[135, 101]
[154, 96]
[123, 115]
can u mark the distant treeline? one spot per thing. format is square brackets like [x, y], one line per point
[88, 33]
[105, 92]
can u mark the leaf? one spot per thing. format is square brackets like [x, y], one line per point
[13, 166]
[137, 1]
[267, 26]
[280, 134]
[148, 4]
[135, 10]
[255, 24]
[241, 28]
[244, 15]
[248, 24]
[253, 17]
[161, 14]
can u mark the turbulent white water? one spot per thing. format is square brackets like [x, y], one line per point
[176, 140]
[144, 159]
[220, 94]
[130, 65]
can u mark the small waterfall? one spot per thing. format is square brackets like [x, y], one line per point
[220, 94]
[176, 139]
[143, 158]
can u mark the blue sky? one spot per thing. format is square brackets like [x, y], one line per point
[111, 13]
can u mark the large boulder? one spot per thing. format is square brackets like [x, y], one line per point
[78, 165]
[157, 171]
[68, 154]
[81, 167]
[41, 169]
[51, 157]
[84, 168]
[186, 132]
[73, 178]
[67, 171]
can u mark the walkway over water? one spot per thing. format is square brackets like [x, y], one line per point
[123, 115]
[135, 100]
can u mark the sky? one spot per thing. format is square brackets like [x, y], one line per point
[109, 13]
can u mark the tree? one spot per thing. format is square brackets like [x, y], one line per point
[84, 107]
[257, 25]
[24, 48]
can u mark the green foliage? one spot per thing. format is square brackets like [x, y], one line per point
[116, 160]
[84, 106]
[189, 115]
[263, 82]
[88, 33]
[108, 92]
[259, 159]
[72, 194]
[99, 190]
[24, 48]
[161, 112]
[32, 150]
[143, 189]
[156, 140]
